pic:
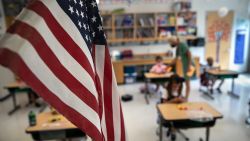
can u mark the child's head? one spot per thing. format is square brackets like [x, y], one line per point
[175, 84]
[210, 61]
[158, 59]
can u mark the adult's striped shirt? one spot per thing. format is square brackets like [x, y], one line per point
[59, 49]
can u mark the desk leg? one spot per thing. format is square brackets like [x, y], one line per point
[15, 106]
[147, 91]
[207, 133]
[44, 106]
[231, 93]
[31, 99]
[161, 122]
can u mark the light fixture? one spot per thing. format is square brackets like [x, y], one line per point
[223, 11]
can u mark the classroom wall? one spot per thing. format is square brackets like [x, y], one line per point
[248, 70]
[240, 7]
[200, 6]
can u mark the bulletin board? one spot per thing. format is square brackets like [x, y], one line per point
[218, 37]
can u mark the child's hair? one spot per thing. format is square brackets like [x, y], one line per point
[210, 60]
[174, 79]
[157, 58]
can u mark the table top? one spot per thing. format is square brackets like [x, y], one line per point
[45, 123]
[16, 84]
[222, 72]
[150, 75]
[187, 111]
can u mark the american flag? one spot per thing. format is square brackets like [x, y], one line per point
[59, 49]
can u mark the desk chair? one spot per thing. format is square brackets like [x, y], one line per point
[206, 82]
[185, 125]
[178, 131]
[172, 125]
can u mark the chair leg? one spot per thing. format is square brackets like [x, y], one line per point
[183, 135]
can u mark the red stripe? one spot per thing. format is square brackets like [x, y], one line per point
[123, 135]
[30, 34]
[15, 63]
[62, 36]
[107, 89]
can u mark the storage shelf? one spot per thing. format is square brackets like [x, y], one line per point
[145, 26]
[166, 25]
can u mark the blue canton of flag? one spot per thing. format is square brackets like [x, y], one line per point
[86, 17]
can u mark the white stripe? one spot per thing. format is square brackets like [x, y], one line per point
[116, 108]
[99, 62]
[44, 74]
[31, 18]
[63, 19]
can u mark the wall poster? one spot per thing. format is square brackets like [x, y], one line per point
[218, 36]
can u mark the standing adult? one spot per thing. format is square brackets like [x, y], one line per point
[182, 52]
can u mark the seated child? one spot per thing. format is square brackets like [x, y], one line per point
[173, 95]
[159, 67]
[174, 90]
[209, 82]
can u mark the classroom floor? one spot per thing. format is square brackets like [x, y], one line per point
[140, 118]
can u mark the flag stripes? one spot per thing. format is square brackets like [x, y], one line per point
[65, 40]
[65, 27]
[18, 66]
[65, 58]
[52, 62]
[47, 50]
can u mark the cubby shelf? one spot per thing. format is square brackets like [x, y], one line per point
[149, 27]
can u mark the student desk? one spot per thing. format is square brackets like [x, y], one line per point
[197, 115]
[17, 87]
[47, 129]
[14, 88]
[155, 78]
[225, 74]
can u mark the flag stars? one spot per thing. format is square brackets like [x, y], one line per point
[93, 4]
[93, 19]
[75, 1]
[100, 28]
[86, 37]
[77, 12]
[71, 9]
[82, 14]
[84, 26]
[79, 24]
[93, 34]
[81, 3]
